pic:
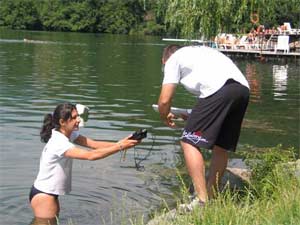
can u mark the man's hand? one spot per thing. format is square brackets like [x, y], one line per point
[169, 120]
[164, 104]
[184, 117]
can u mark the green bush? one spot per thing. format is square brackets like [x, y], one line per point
[265, 166]
[20, 14]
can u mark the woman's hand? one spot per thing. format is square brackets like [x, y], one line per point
[128, 143]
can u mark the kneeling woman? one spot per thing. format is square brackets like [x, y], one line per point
[60, 131]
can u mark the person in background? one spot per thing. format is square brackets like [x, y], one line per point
[216, 118]
[251, 36]
[60, 131]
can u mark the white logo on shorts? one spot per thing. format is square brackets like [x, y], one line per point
[195, 137]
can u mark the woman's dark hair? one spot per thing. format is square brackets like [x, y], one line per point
[62, 111]
[169, 50]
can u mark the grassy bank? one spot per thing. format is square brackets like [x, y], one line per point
[271, 198]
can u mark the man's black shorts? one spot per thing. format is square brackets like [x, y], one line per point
[217, 119]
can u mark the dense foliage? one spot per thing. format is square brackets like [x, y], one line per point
[185, 18]
[116, 16]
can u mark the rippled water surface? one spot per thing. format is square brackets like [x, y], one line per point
[118, 78]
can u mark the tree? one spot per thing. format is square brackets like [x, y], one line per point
[20, 14]
[119, 17]
[184, 18]
[202, 18]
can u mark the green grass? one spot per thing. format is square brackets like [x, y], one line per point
[283, 208]
[271, 198]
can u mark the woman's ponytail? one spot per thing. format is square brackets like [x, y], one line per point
[47, 127]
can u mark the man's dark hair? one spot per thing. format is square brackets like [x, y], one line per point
[168, 51]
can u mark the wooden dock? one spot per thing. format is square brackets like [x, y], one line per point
[261, 54]
[265, 54]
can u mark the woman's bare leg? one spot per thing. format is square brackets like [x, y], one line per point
[45, 206]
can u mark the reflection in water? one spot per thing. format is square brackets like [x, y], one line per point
[254, 82]
[280, 75]
[37, 42]
[41, 221]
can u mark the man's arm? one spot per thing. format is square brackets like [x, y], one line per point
[164, 104]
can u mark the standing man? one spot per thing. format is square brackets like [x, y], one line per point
[215, 121]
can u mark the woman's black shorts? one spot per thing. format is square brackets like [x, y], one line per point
[34, 191]
[217, 119]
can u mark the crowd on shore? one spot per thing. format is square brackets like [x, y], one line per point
[256, 38]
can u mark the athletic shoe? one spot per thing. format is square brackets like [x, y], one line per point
[191, 206]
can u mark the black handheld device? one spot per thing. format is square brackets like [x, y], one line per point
[139, 135]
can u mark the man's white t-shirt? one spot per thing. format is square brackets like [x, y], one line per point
[201, 70]
[55, 173]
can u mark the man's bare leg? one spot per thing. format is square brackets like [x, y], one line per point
[196, 167]
[217, 168]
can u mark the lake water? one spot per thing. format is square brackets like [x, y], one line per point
[118, 78]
